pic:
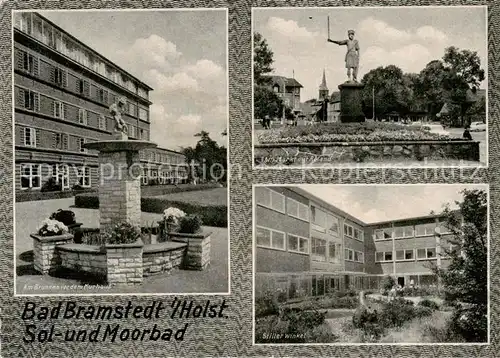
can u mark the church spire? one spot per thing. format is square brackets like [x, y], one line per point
[323, 86]
[323, 89]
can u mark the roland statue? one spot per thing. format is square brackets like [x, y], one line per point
[352, 55]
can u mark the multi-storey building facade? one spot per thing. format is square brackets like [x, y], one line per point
[62, 93]
[304, 243]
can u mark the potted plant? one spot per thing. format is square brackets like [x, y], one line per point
[122, 233]
[190, 224]
[50, 234]
[170, 221]
[51, 227]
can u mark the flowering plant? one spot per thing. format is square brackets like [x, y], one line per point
[51, 227]
[122, 233]
[173, 215]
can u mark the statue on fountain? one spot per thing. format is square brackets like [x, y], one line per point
[116, 110]
[352, 55]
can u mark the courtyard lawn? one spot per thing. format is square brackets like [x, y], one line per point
[217, 196]
[30, 214]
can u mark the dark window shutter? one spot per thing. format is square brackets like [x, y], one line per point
[35, 66]
[64, 78]
[65, 141]
[52, 73]
[105, 97]
[20, 97]
[86, 88]
[54, 140]
[36, 102]
[19, 59]
[37, 139]
[23, 136]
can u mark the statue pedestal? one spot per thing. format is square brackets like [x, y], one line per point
[120, 173]
[351, 102]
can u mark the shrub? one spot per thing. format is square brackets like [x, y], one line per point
[190, 224]
[266, 304]
[92, 238]
[122, 233]
[396, 312]
[302, 321]
[67, 217]
[428, 303]
[51, 185]
[470, 323]
[387, 283]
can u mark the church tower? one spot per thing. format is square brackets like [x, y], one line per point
[323, 89]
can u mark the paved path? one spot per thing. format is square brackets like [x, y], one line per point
[30, 214]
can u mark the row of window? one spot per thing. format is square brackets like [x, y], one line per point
[275, 239]
[31, 175]
[37, 102]
[36, 26]
[355, 256]
[426, 253]
[30, 137]
[158, 157]
[31, 64]
[163, 177]
[323, 250]
[279, 202]
[402, 232]
[321, 220]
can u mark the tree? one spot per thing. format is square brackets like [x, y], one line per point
[429, 87]
[262, 59]
[465, 279]
[392, 89]
[207, 159]
[463, 73]
[266, 101]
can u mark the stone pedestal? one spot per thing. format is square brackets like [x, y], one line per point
[45, 255]
[124, 263]
[120, 180]
[351, 102]
[197, 255]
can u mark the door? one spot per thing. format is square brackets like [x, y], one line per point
[401, 281]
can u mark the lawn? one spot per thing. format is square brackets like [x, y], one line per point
[217, 196]
[30, 214]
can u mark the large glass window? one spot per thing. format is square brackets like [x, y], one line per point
[84, 177]
[425, 229]
[383, 234]
[30, 176]
[296, 209]
[298, 244]
[403, 231]
[30, 137]
[270, 198]
[402, 255]
[270, 238]
[318, 218]
[318, 249]
[333, 225]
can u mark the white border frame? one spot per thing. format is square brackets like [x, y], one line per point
[371, 166]
[488, 273]
[76, 293]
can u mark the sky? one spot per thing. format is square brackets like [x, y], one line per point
[181, 54]
[406, 37]
[375, 203]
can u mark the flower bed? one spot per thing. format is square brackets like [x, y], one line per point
[349, 132]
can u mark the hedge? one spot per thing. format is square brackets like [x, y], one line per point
[211, 215]
[157, 190]
[47, 195]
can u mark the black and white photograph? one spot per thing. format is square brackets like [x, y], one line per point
[371, 264]
[370, 87]
[120, 122]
